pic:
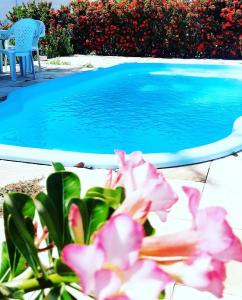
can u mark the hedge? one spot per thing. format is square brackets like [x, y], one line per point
[160, 28]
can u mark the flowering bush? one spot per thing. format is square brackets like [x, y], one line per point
[173, 28]
[162, 28]
[104, 241]
[58, 35]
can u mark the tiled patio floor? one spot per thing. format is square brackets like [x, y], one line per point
[220, 182]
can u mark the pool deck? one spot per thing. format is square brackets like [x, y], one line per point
[219, 181]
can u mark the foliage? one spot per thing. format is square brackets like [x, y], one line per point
[58, 62]
[162, 28]
[57, 43]
[58, 38]
[59, 238]
[23, 244]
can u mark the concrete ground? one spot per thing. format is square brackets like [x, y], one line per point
[219, 181]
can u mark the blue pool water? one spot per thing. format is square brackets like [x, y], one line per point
[149, 107]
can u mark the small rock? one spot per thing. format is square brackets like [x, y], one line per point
[80, 165]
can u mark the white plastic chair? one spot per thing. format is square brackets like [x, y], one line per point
[24, 31]
[41, 33]
[35, 48]
[4, 36]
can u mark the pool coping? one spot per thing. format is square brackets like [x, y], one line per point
[224, 147]
[221, 148]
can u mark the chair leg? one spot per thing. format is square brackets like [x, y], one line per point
[12, 62]
[6, 62]
[25, 65]
[38, 57]
[32, 65]
[1, 63]
[21, 65]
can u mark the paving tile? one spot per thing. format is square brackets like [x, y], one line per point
[11, 172]
[186, 293]
[224, 188]
[195, 172]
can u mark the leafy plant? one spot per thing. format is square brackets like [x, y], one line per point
[58, 62]
[58, 36]
[169, 28]
[20, 252]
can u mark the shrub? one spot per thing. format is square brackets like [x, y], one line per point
[163, 28]
[173, 28]
[58, 39]
[57, 43]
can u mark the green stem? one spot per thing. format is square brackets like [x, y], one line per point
[33, 284]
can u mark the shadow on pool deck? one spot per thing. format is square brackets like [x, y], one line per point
[47, 73]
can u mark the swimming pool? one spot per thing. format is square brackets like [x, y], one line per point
[170, 112]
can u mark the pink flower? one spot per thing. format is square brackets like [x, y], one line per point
[203, 273]
[75, 224]
[110, 268]
[215, 236]
[145, 187]
[210, 240]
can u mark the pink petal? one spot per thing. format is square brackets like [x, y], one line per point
[194, 199]
[107, 284]
[76, 225]
[181, 244]
[84, 261]
[145, 281]
[136, 207]
[202, 273]
[216, 237]
[121, 238]
[139, 177]
[220, 242]
[109, 179]
[153, 187]
[133, 160]
[118, 297]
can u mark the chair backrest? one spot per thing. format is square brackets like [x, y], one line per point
[40, 33]
[24, 32]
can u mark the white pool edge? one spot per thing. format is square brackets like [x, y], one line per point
[224, 147]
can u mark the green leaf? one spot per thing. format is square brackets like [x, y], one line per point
[47, 215]
[54, 294]
[149, 230]
[13, 253]
[162, 295]
[61, 188]
[98, 212]
[112, 197]
[63, 270]
[40, 296]
[19, 211]
[10, 293]
[25, 207]
[66, 296]
[4, 263]
[59, 293]
[26, 248]
[58, 166]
